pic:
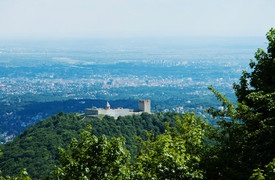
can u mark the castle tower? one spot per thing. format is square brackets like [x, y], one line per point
[108, 106]
[144, 105]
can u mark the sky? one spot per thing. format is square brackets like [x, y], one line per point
[134, 18]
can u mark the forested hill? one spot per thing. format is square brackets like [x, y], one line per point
[36, 149]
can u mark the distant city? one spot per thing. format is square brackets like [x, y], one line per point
[174, 74]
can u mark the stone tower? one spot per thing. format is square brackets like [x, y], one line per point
[144, 105]
[108, 107]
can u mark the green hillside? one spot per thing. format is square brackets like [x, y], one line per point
[36, 149]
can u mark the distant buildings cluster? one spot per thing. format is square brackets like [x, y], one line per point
[143, 106]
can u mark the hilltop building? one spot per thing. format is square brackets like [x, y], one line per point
[143, 106]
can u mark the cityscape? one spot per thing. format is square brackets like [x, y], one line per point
[176, 80]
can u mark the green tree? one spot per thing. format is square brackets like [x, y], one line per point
[94, 158]
[176, 154]
[268, 173]
[247, 133]
[22, 176]
[225, 159]
[256, 97]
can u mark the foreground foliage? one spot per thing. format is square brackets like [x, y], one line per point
[36, 149]
[248, 138]
[23, 175]
[92, 157]
[176, 154]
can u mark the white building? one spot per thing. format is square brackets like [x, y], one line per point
[144, 106]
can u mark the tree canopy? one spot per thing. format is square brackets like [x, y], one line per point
[94, 157]
[176, 154]
[248, 139]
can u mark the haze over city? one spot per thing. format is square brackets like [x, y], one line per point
[134, 18]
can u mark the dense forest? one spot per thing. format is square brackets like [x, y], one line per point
[161, 145]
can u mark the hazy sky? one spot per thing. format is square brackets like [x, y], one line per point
[135, 18]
